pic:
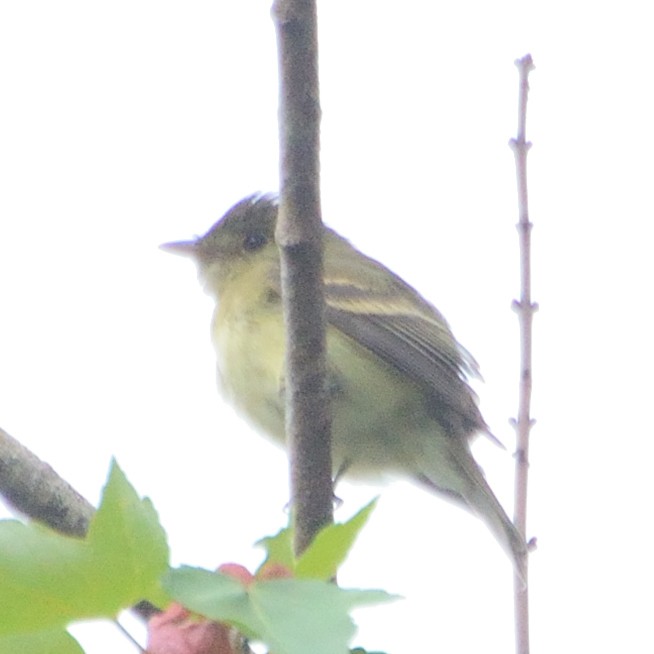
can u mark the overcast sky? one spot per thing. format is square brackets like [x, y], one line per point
[127, 124]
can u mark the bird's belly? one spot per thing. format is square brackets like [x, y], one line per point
[250, 362]
[378, 416]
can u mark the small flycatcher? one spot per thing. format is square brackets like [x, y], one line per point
[399, 397]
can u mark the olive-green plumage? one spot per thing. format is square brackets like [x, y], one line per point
[397, 376]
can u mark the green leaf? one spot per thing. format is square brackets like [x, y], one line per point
[324, 555]
[279, 548]
[128, 542]
[291, 616]
[48, 580]
[211, 594]
[41, 577]
[331, 546]
[49, 641]
[306, 615]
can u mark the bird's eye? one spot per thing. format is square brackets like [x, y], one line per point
[254, 241]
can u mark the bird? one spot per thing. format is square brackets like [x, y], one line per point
[398, 380]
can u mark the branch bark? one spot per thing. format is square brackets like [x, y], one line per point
[32, 487]
[299, 236]
[525, 309]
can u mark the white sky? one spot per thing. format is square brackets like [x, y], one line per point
[126, 124]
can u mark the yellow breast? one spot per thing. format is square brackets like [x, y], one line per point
[247, 332]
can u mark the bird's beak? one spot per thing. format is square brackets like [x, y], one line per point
[182, 248]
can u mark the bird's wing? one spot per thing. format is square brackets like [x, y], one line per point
[395, 323]
[370, 304]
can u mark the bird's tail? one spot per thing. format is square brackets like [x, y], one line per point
[466, 483]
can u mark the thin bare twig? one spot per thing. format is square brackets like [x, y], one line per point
[299, 236]
[525, 309]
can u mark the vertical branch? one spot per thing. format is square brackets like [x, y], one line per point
[525, 309]
[299, 236]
